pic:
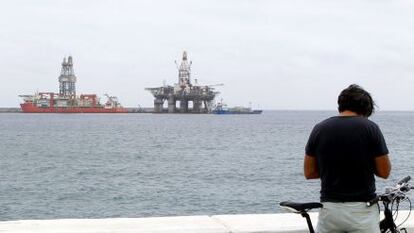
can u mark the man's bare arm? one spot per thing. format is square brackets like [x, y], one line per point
[382, 166]
[310, 167]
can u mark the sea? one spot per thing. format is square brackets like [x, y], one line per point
[56, 166]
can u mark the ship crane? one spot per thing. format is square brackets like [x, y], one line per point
[112, 101]
[111, 98]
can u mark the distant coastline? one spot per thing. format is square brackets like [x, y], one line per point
[8, 110]
[151, 110]
[130, 110]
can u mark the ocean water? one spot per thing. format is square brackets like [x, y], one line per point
[140, 165]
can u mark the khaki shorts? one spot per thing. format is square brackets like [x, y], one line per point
[352, 217]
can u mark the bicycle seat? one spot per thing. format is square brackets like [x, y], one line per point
[300, 207]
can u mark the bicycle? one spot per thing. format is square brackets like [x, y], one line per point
[391, 199]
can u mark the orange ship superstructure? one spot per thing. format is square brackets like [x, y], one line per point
[66, 101]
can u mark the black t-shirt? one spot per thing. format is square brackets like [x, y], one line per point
[345, 148]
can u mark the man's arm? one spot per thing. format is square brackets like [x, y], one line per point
[382, 166]
[310, 167]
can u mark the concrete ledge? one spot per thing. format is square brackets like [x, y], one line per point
[202, 224]
[264, 223]
[254, 223]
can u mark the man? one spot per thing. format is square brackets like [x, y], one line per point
[345, 152]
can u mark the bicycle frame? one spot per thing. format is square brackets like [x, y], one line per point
[387, 224]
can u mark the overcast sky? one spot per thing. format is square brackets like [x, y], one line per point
[292, 54]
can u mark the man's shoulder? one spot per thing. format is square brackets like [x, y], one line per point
[338, 120]
[328, 121]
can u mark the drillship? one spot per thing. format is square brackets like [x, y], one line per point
[66, 101]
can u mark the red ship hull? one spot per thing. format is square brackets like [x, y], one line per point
[30, 108]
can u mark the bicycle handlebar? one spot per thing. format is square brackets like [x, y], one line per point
[398, 191]
[404, 180]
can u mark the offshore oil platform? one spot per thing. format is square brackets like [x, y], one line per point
[191, 98]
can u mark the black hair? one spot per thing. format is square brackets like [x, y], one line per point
[354, 98]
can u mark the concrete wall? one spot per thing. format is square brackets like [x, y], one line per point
[263, 223]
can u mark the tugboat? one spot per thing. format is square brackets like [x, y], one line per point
[222, 108]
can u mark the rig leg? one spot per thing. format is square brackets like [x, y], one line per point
[197, 106]
[171, 104]
[183, 106]
[158, 105]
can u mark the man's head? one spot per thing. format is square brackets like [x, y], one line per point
[354, 98]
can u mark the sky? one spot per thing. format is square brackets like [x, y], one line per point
[287, 55]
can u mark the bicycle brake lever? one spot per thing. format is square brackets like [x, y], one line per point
[405, 188]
